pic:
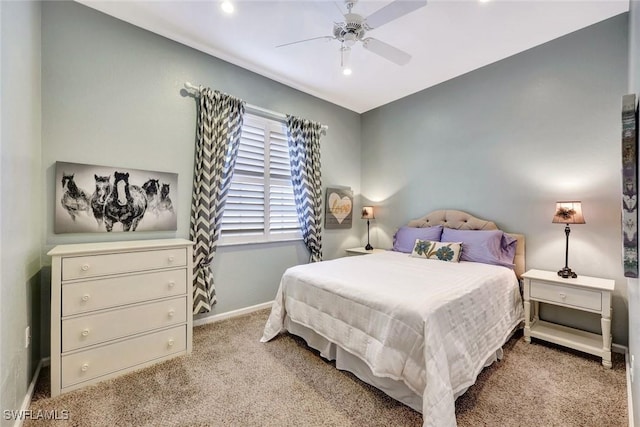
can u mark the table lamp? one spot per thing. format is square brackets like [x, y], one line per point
[568, 213]
[367, 213]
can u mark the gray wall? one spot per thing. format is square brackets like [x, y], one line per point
[507, 141]
[112, 95]
[20, 201]
[634, 292]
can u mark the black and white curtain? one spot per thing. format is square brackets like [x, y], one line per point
[304, 152]
[218, 136]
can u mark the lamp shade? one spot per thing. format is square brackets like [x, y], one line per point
[367, 212]
[568, 213]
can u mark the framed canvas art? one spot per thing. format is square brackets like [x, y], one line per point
[338, 208]
[630, 185]
[95, 199]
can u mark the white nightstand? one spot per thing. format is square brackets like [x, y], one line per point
[582, 293]
[362, 251]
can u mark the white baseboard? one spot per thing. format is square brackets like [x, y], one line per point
[629, 389]
[27, 398]
[233, 313]
[623, 349]
[619, 348]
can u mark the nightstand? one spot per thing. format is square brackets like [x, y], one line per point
[582, 293]
[362, 251]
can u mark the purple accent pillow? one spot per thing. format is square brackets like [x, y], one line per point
[486, 246]
[405, 238]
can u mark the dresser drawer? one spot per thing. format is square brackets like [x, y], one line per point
[94, 363]
[101, 265]
[96, 294]
[84, 331]
[566, 295]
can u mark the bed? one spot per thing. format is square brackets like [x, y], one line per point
[420, 330]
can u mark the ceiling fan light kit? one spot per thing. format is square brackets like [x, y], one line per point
[345, 60]
[354, 28]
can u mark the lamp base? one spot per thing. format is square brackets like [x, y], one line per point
[368, 247]
[567, 273]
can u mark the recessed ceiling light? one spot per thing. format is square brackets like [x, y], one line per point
[346, 71]
[227, 7]
[484, 1]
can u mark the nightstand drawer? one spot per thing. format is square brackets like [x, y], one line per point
[566, 295]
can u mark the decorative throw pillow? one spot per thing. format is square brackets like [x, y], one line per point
[449, 251]
[485, 246]
[405, 237]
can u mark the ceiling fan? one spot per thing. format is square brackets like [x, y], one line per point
[355, 26]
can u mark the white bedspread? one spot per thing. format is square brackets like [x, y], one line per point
[428, 323]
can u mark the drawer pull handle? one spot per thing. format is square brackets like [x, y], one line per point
[172, 312]
[170, 342]
[85, 367]
[172, 284]
[563, 296]
[85, 267]
[85, 332]
[86, 297]
[171, 258]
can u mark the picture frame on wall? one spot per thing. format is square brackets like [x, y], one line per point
[102, 199]
[338, 208]
[630, 185]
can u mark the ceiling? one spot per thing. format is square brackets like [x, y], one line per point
[446, 38]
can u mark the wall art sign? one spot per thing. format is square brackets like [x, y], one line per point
[93, 199]
[338, 208]
[630, 185]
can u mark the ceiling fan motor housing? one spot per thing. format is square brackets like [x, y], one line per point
[350, 31]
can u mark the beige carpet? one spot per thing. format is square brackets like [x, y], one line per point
[232, 379]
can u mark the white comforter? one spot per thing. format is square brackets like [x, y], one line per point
[428, 323]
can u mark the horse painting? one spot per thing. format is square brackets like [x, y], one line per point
[99, 197]
[165, 203]
[126, 204]
[151, 189]
[74, 199]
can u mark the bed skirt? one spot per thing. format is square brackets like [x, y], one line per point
[346, 361]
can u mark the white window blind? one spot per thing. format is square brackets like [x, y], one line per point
[260, 205]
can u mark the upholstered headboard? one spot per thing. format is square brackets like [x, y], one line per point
[464, 221]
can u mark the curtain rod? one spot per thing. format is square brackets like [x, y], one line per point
[255, 109]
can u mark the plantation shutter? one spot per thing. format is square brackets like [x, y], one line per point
[261, 204]
[282, 215]
[244, 212]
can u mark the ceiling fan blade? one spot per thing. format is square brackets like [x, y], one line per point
[393, 11]
[387, 51]
[307, 40]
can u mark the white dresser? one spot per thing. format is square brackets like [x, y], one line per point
[117, 307]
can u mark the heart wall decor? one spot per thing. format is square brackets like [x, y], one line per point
[338, 208]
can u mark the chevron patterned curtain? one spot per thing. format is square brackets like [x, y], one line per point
[304, 153]
[218, 136]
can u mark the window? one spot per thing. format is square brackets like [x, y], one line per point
[260, 205]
